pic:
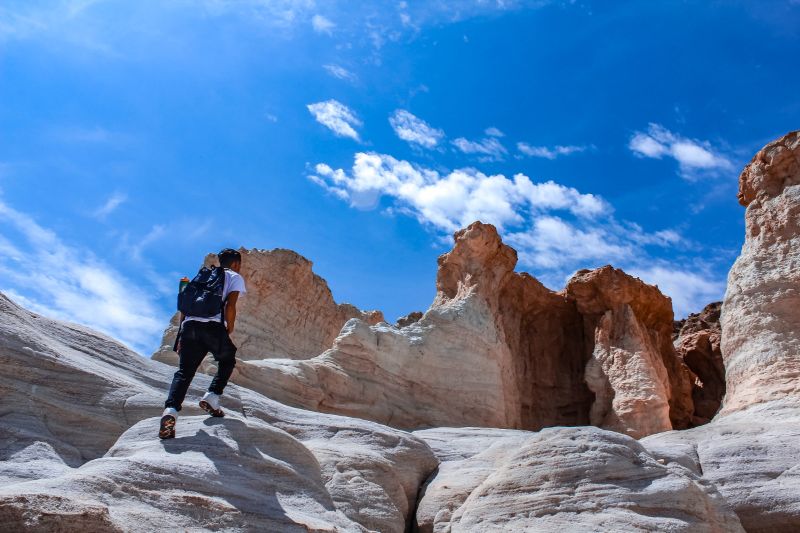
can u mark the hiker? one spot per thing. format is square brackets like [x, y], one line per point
[203, 330]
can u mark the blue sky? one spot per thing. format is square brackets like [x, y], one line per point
[137, 136]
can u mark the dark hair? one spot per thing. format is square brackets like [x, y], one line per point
[228, 256]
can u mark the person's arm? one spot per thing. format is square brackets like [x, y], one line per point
[230, 310]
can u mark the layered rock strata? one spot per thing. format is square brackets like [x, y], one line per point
[288, 311]
[640, 385]
[78, 448]
[750, 449]
[562, 479]
[761, 312]
[498, 349]
[269, 467]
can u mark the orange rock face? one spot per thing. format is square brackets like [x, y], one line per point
[698, 344]
[496, 348]
[640, 384]
[288, 311]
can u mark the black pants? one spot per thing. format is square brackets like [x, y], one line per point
[197, 339]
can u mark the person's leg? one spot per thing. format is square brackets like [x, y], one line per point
[225, 355]
[193, 350]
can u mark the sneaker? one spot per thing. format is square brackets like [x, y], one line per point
[168, 419]
[210, 404]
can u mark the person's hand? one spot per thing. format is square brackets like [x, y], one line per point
[229, 327]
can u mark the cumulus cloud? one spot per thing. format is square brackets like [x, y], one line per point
[556, 229]
[450, 201]
[341, 73]
[414, 130]
[322, 24]
[694, 157]
[69, 283]
[488, 149]
[549, 153]
[337, 117]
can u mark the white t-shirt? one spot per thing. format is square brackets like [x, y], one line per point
[233, 283]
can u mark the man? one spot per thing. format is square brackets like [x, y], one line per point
[200, 335]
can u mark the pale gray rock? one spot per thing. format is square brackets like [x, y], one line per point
[562, 479]
[761, 312]
[78, 448]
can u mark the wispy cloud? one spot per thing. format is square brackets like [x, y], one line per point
[322, 24]
[414, 130]
[556, 229]
[488, 149]
[548, 152]
[341, 73]
[494, 132]
[67, 282]
[695, 158]
[337, 117]
[113, 202]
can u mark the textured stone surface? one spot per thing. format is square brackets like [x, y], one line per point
[78, 448]
[761, 312]
[641, 386]
[750, 450]
[288, 311]
[697, 342]
[496, 348]
[567, 479]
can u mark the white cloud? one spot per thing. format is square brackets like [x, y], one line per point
[413, 129]
[70, 283]
[489, 149]
[341, 73]
[694, 157]
[337, 117]
[549, 153]
[113, 202]
[322, 24]
[456, 199]
[556, 229]
[494, 132]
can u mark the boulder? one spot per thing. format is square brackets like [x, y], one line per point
[562, 479]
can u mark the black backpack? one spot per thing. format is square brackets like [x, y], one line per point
[202, 297]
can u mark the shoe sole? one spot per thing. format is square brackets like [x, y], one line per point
[205, 406]
[167, 429]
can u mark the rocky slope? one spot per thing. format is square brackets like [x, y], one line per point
[78, 448]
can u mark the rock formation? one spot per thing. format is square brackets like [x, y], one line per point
[78, 448]
[499, 349]
[288, 312]
[697, 341]
[80, 412]
[761, 313]
[562, 479]
[640, 385]
[751, 447]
